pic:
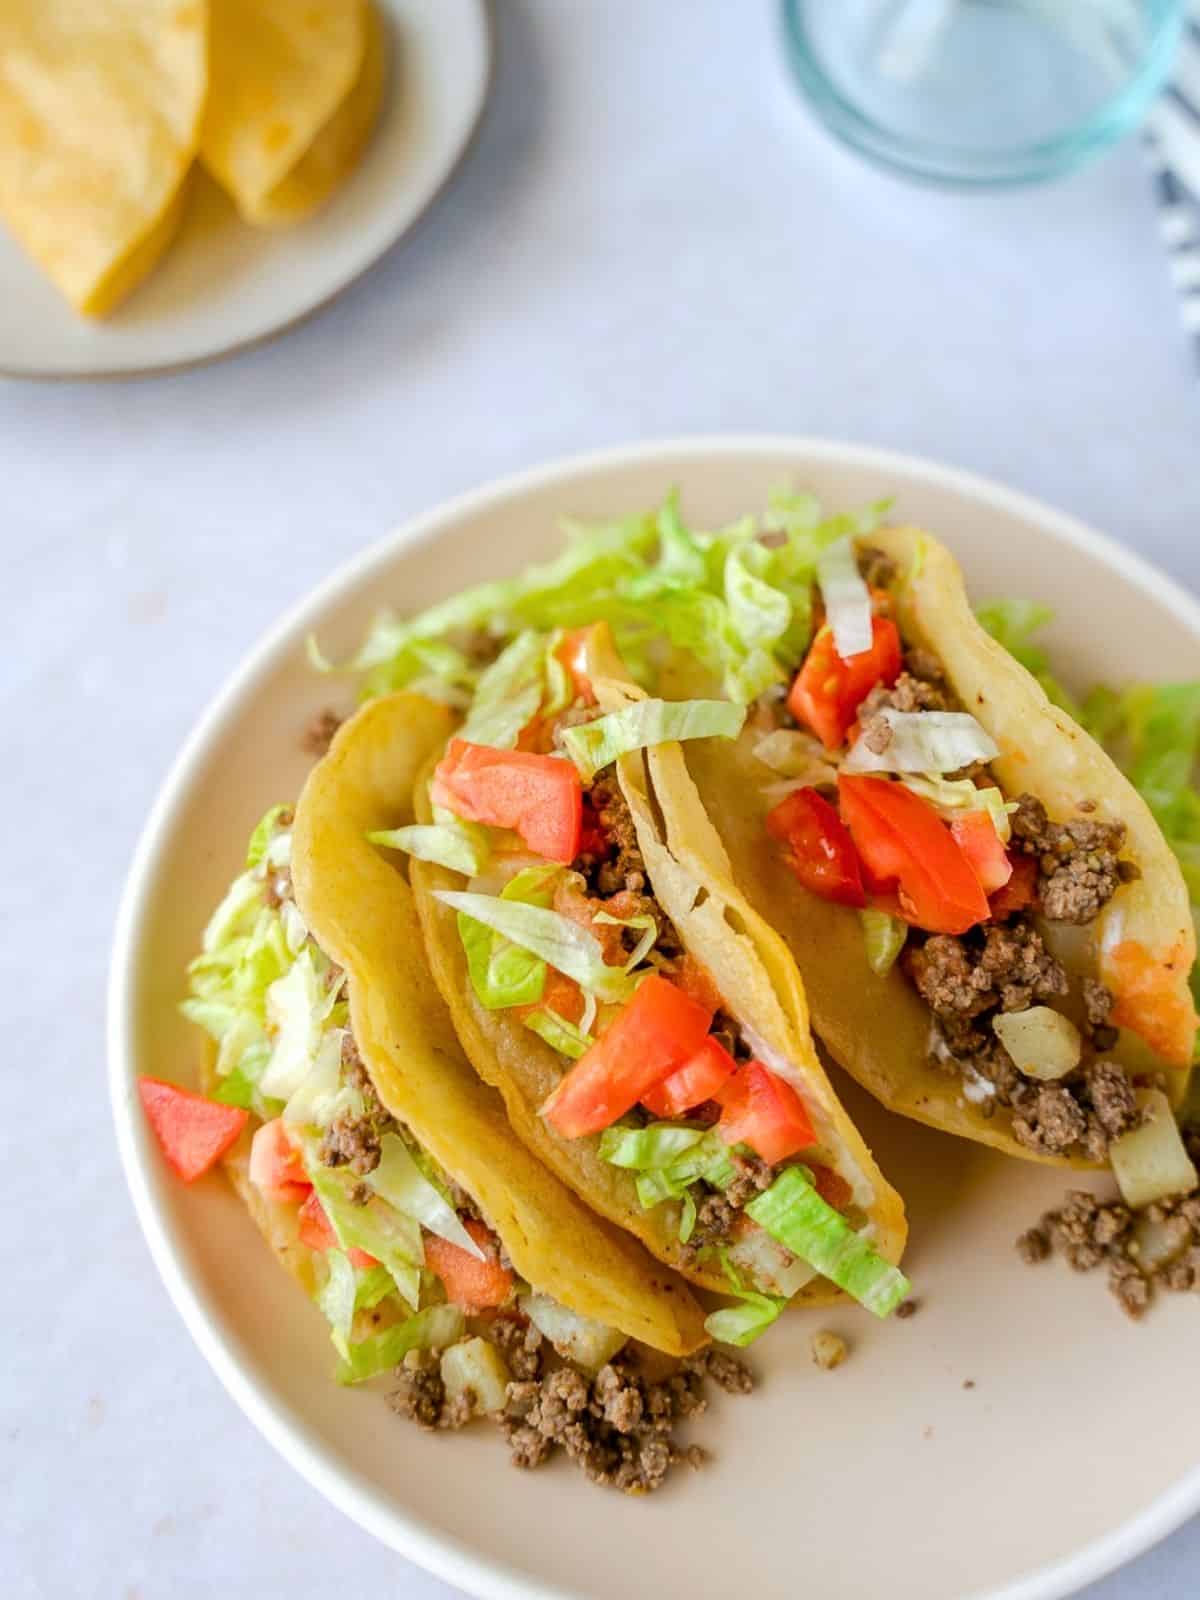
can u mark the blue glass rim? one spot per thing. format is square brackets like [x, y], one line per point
[967, 167]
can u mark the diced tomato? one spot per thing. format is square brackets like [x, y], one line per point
[193, 1133]
[540, 797]
[316, 1231]
[658, 1030]
[975, 834]
[470, 1283]
[761, 1110]
[1020, 890]
[831, 1186]
[901, 839]
[572, 652]
[828, 691]
[820, 850]
[276, 1169]
[697, 1080]
[696, 980]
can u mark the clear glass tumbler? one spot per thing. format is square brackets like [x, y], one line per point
[981, 92]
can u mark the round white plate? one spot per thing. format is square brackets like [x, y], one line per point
[1074, 1448]
[224, 285]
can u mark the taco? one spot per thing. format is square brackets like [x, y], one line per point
[373, 1158]
[647, 1030]
[994, 935]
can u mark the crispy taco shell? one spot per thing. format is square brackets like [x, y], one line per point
[1142, 945]
[360, 910]
[750, 965]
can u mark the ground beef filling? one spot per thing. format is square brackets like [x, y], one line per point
[967, 979]
[356, 1141]
[1091, 1233]
[718, 1210]
[618, 1427]
[1079, 865]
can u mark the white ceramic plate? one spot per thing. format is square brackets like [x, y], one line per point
[1072, 1452]
[223, 285]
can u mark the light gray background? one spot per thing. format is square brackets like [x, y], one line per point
[651, 238]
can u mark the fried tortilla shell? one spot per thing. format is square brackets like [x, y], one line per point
[295, 89]
[1142, 945]
[360, 909]
[753, 971]
[100, 108]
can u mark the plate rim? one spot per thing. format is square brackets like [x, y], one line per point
[448, 1558]
[468, 139]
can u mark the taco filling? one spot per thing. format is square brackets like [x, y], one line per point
[408, 1270]
[561, 927]
[974, 893]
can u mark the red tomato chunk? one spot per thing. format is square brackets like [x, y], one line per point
[539, 797]
[658, 1030]
[193, 1133]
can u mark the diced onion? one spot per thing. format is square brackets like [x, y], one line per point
[476, 1369]
[847, 599]
[1156, 1244]
[583, 1340]
[924, 741]
[1042, 1042]
[1150, 1163]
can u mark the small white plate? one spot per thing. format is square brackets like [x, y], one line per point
[1075, 1448]
[223, 285]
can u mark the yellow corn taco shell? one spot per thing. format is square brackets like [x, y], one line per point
[1142, 945]
[296, 89]
[751, 967]
[360, 910]
[100, 108]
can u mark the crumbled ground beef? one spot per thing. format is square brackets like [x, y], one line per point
[621, 865]
[355, 1142]
[521, 1345]
[1007, 967]
[828, 1349]
[718, 1209]
[1091, 1233]
[1079, 865]
[908, 693]
[419, 1392]
[318, 735]
[619, 1426]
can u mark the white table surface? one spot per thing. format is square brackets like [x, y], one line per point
[651, 238]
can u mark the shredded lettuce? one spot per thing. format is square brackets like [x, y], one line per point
[460, 846]
[400, 1182]
[847, 599]
[923, 741]
[741, 608]
[502, 972]
[391, 1237]
[299, 1005]
[554, 939]
[321, 1095]
[565, 1037]
[648, 1149]
[271, 827]
[741, 1324]
[593, 745]
[793, 1212]
[508, 694]
[884, 936]
[435, 1328]
[337, 1294]
[948, 796]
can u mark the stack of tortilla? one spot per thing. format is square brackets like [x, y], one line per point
[105, 108]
